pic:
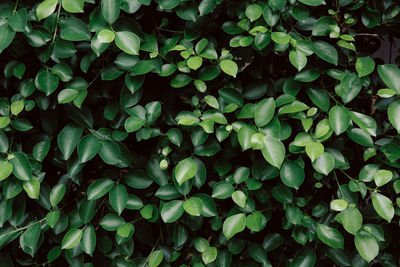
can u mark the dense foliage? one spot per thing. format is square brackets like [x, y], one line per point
[199, 132]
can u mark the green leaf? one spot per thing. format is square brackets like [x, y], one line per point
[52, 218]
[41, 150]
[298, 59]
[67, 95]
[264, 112]
[194, 62]
[111, 222]
[339, 119]
[71, 238]
[365, 122]
[57, 194]
[18, 20]
[128, 42]
[366, 245]
[32, 188]
[99, 188]
[382, 177]
[253, 12]
[185, 170]
[88, 241]
[73, 6]
[393, 115]
[168, 4]
[46, 8]
[206, 6]
[330, 236]
[313, 2]
[7, 35]
[31, 235]
[110, 152]
[222, 190]
[118, 198]
[338, 204]
[277, 4]
[244, 136]
[314, 150]
[280, 37]
[383, 206]
[233, 225]
[209, 255]
[46, 82]
[292, 174]
[229, 67]
[74, 29]
[390, 75]
[193, 206]
[21, 167]
[324, 164]
[6, 169]
[273, 151]
[351, 219]
[88, 147]
[68, 139]
[155, 258]
[365, 66]
[125, 230]
[172, 211]
[106, 36]
[239, 198]
[325, 51]
[110, 10]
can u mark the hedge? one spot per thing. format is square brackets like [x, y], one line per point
[199, 132]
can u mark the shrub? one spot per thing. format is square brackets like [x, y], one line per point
[188, 132]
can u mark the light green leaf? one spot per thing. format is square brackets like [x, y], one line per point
[6, 169]
[382, 177]
[229, 67]
[324, 164]
[338, 204]
[313, 2]
[110, 10]
[57, 194]
[155, 258]
[390, 75]
[71, 238]
[46, 8]
[383, 206]
[209, 255]
[365, 66]
[298, 59]
[233, 225]
[193, 206]
[239, 198]
[366, 245]
[128, 42]
[253, 12]
[185, 170]
[330, 236]
[351, 219]
[314, 150]
[106, 36]
[32, 188]
[73, 6]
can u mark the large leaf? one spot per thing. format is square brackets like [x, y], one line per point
[128, 42]
[72, 238]
[383, 206]
[330, 236]
[21, 167]
[110, 10]
[172, 211]
[325, 51]
[264, 111]
[393, 114]
[185, 170]
[292, 174]
[366, 245]
[46, 8]
[233, 225]
[390, 75]
[68, 139]
[99, 188]
[273, 151]
[339, 119]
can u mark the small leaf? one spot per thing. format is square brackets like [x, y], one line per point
[390, 75]
[155, 258]
[229, 67]
[253, 12]
[264, 112]
[365, 66]
[209, 255]
[118, 198]
[339, 119]
[325, 51]
[193, 206]
[351, 219]
[393, 114]
[314, 150]
[32, 188]
[239, 198]
[73, 6]
[324, 164]
[292, 174]
[57, 194]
